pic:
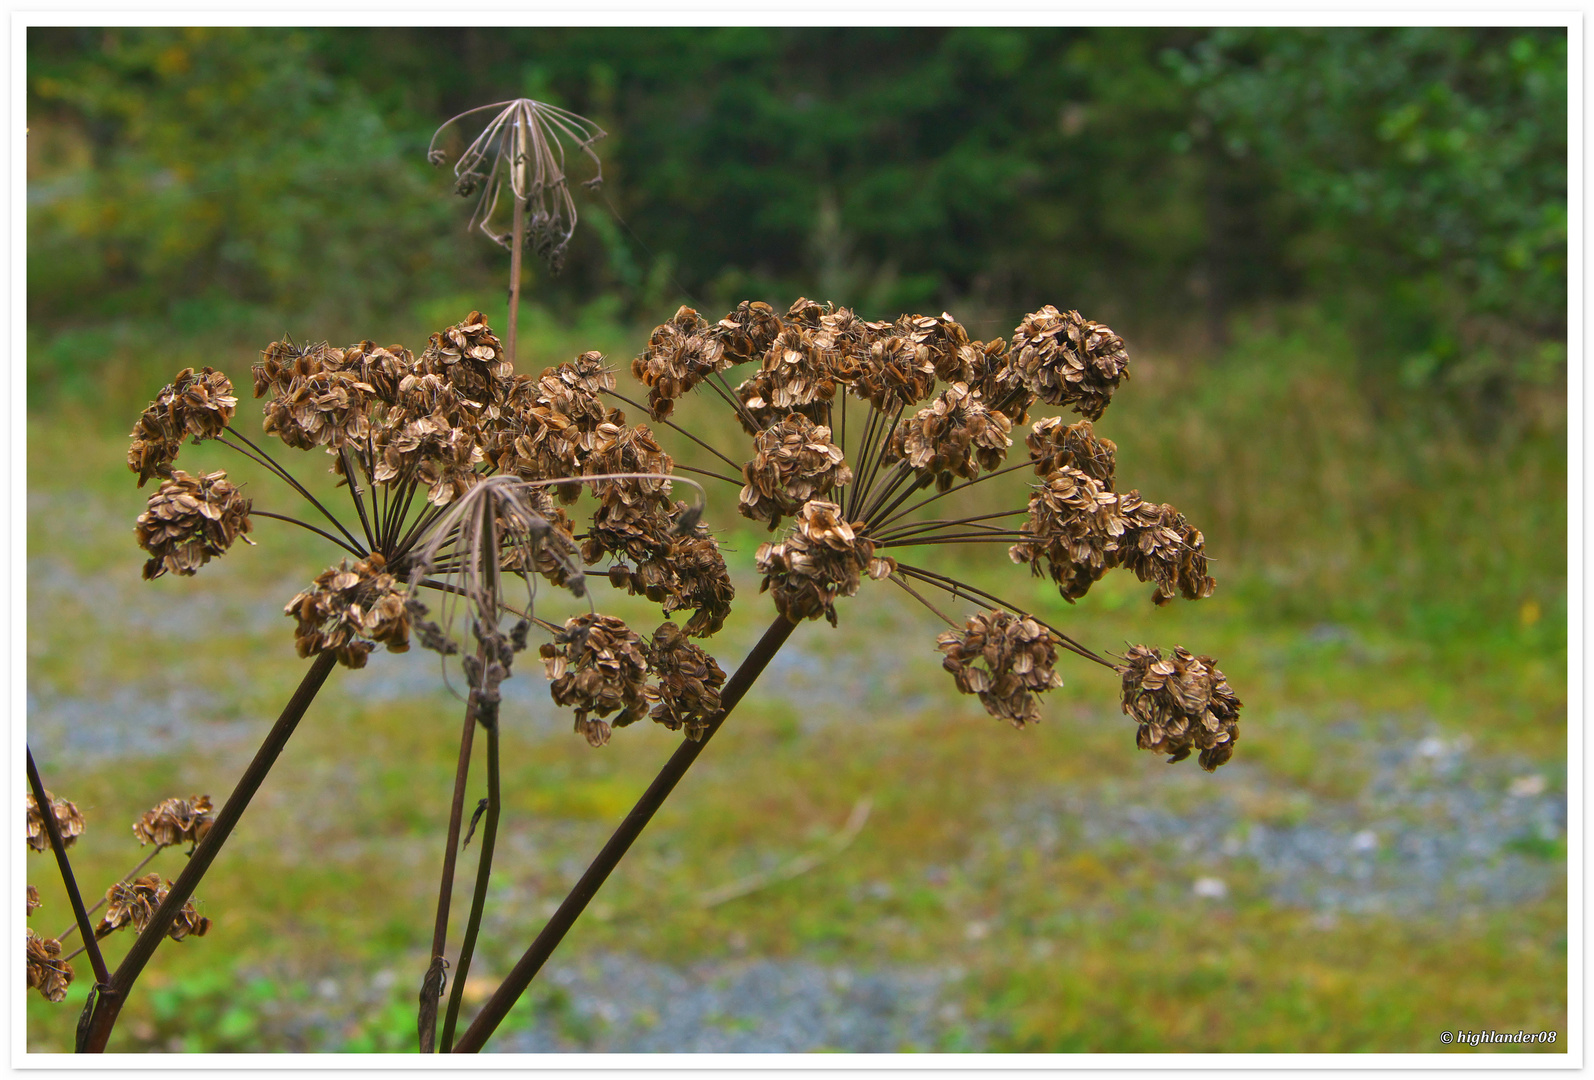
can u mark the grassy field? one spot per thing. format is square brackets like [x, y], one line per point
[1391, 608]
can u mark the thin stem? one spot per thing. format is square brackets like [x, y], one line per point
[518, 240]
[353, 480]
[952, 491]
[93, 1035]
[902, 583]
[484, 869]
[855, 489]
[356, 552]
[52, 829]
[64, 934]
[266, 460]
[1003, 537]
[676, 428]
[706, 472]
[903, 472]
[918, 527]
[959, 589]
[515, 984]
[717, 383]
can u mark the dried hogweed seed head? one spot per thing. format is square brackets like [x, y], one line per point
[954, 437]
[350, 610]
[1159, 545]
[1017, 655]
[1182, 704]
[896, 373]
[132, 903]
[1054, 445]
[943, 340]
[794, 461]
[1074, 527]
[200, 405]
[845, 340]
[681, 353]
[33, 900]
[747, 332]
[324, 407]
[67, 817]
[1068, 360]
[189, 520]
[689, 575]
[175, 821]
[47, 972]
[1000, 383]
[687, 693]
[471, 359]
[597, 664]
[821, 558]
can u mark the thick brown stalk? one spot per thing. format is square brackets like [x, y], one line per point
[52, 829]
[478, 902]
[93, 1035]
[620, 842]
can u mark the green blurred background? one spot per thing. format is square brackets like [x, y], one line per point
[1339, 260]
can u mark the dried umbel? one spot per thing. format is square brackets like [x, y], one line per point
[689, 575]
[350, 610]
[33, 900]
[132, 903]
[67, 817]
[1074, 526]
[748, 331]
[1182, 704]
[954, 437]
[597, 665]
[1054, 444]
[197, 404]
[795, 461]
[895, 374]
[796, 376]
[323, 407]
[189, 520]
[47, 972]
[1004, 658]
[1159, 545]
[175, 821]
[943, 341]
[470, 358]
[681, 353]
[821, 558]
[687, 693]
[1069, 360]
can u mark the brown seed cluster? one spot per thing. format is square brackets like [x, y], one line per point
[1182, 704]
[47, 972]
[189, 520]
[68, 818]
[794, 461]
[634, 517]
[681, 353]
[350, 610]
[1054, 444]
[175, 821]
[954, 437]
[1159, 545]
[748, 331]
[598, 665]
[33, 900]
[687, 693]
[198, 404]
[1004, 658]
[689, 575]
[1073, 528]
[821, 558]
[1069, 360]
[132, 903]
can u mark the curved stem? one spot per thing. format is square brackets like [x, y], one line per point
[515, 984]
[356, 552]
[959, 589]
[265, 459]
[484, 870]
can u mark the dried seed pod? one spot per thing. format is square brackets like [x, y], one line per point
[175, 821]
[794, 461]
[896, 374]
[1182, 704]
[687, 693]
[1074, 527]
[681, 353]
[33, 900]
[1001, 385]
[1054, 445]
[189, 520]
[844, 340]
[350, 610]
[794, 377]
[47, 972]
[821, 558]
[1004, 658]
[200, 405]
[1159, 545]
[944, 340]
[1068, 360]
[67, 817]
[471, 359]
[323, 408]
[954, 437]
[132, 903]
[747, 332]
[597, 664]
[689, 576]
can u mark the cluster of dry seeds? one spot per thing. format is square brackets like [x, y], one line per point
[175, 821]
[1182, 703]
[67, 817]
[131, 903]
[1017, 655]
[194, 404]
[47, 972]
[189, 520]
[598, 665]
[350, 610]
[821, 559]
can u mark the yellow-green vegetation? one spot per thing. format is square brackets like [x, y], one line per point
[1387, 586]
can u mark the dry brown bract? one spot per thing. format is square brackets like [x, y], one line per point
[681, 353]
[132, 903]
[821, 558]
[67, 817]
[47, 972]
[175, 821]
[350, 610]
[794, 461]
[597, 664]
[200, 405]
[1182, 704]
[1074, 527]
[1068, 360]
[1017, 654]
[687, 693]
[190, 519]
[1159, 545]
[954, 437]
[1054, 445]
